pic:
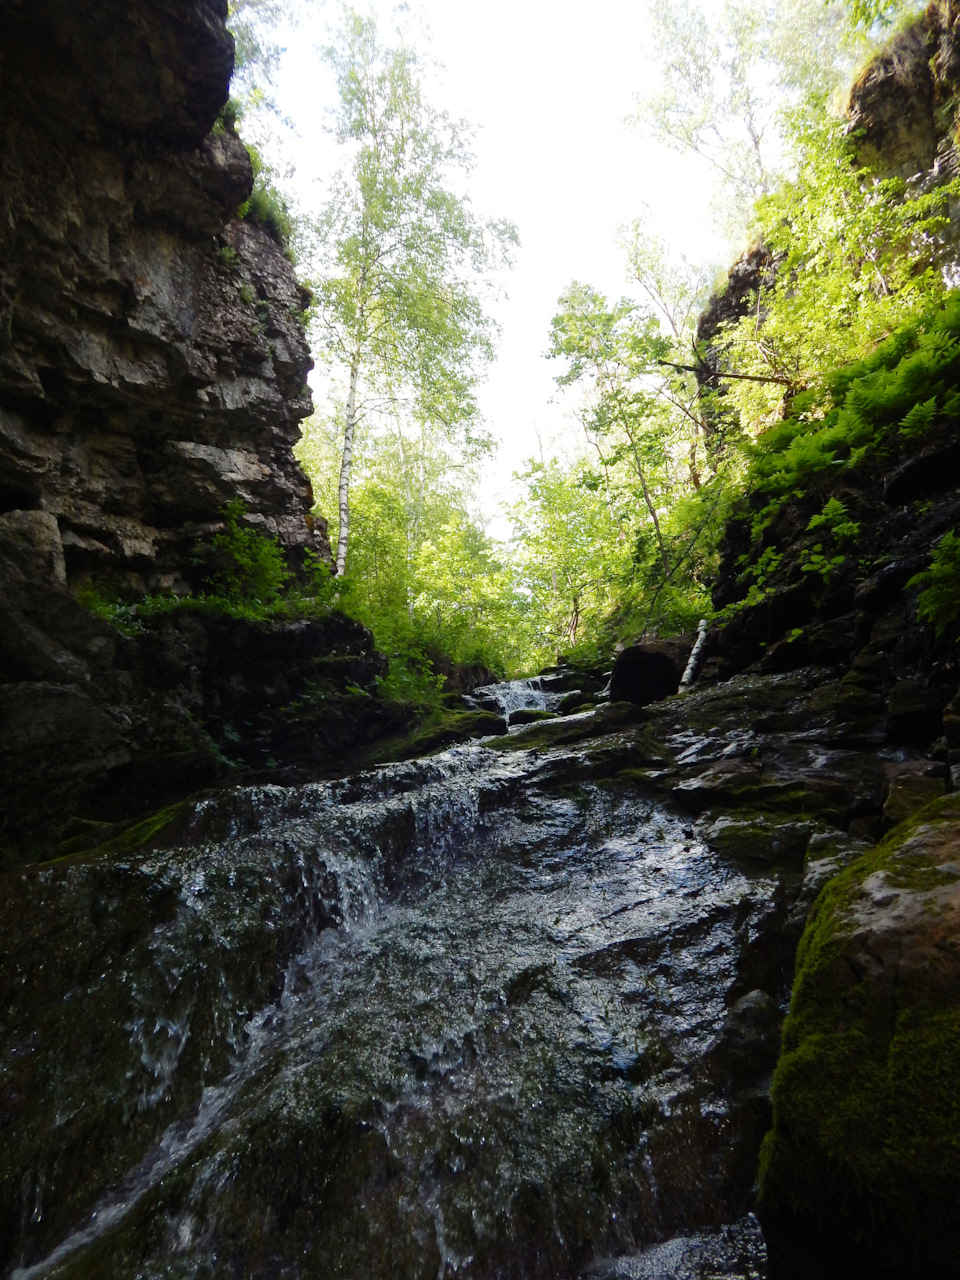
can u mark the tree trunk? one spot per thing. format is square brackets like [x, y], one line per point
[650, 507]
[346, 464]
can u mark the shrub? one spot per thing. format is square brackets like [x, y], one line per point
[939, 601]
[243, 574]
[240, 564]
[266, 205]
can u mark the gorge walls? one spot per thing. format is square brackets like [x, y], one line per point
[153, 367]
[152, 363]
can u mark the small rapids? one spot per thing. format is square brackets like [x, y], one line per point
[537, 693]
[489, 1014]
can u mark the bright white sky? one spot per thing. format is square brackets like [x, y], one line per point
[547, 83]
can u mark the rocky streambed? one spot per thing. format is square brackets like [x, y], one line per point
[502, 1012]
[511, 1010]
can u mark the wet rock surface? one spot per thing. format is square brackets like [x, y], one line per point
[512, 699]
[512, 1010]
[474, 1013]
[737, 1250]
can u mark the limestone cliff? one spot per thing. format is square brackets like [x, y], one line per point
[152, 363]
[904, 110]
[153, 367]
[903, 106]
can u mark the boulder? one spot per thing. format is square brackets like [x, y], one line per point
[530, 715]
[915, 709]
[860, 1175]
[647, 672]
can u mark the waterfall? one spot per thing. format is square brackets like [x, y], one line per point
[532, 694]
[465, 1016]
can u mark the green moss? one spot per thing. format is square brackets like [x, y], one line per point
[130, 838]
[756, 836]
[861, 1172]
[531, 715]
[439, 730]
[608, 719]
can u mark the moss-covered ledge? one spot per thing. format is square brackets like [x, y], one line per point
[860, 1175]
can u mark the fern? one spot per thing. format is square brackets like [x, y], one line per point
[918, 421]
[939, 599]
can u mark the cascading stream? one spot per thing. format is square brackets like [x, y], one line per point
[467, 1016]
[532, 694]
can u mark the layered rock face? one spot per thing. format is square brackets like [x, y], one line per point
[152, 367]
[903, 111]
[902, 108]
[152, 363]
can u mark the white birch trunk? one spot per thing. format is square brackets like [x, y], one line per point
[690, 673]
[346, 464]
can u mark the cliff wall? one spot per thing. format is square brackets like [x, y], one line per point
[903, 106]
[153, 367]
[860, 1170]
[152, 364]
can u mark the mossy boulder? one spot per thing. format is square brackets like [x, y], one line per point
[575, 702]
[756, 838]
[860, 1175]
[440, 730]
[610, 718]
[531, 715]
[122, 838]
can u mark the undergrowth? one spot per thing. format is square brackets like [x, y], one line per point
[870, 413]
[881, 406]
[242, 575]
[939, 602]
[267, 206]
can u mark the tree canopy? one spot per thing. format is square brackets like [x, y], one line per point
[402, 264]
[619, 532]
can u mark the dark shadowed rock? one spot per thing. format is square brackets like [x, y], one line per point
[647, 672]
[928, 473]
[915, 709]
[860, 1175]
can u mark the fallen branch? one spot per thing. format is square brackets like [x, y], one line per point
[693, 662]
[705, 371]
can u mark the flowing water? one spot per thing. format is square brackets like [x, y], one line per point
[538, 693]
[491, 1014]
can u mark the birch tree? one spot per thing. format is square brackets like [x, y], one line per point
[403, 263]
[736, 77]
[615, 351]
